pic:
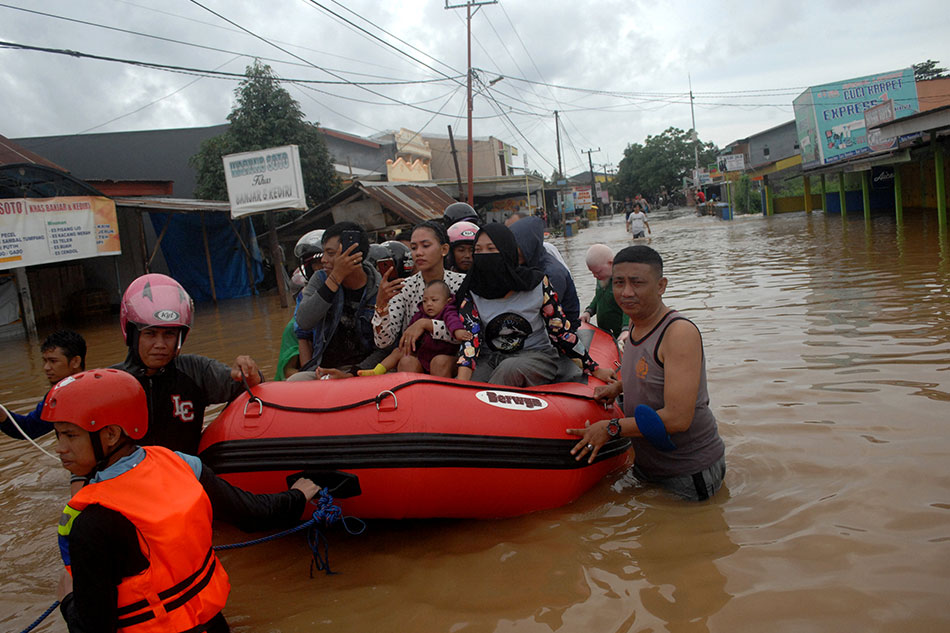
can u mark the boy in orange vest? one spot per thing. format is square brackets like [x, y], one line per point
[136, 540]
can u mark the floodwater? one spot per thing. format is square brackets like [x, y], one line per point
[828, 357]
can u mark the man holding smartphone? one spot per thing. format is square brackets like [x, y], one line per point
[336, 310]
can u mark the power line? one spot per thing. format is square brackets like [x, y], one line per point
[183, 42]
[205, 72]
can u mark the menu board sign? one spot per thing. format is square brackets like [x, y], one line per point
[48, 230]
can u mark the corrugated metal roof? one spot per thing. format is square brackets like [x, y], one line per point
[180, 205]
[413, 202]
[12, 153]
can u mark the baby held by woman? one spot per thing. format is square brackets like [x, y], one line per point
[431, 355]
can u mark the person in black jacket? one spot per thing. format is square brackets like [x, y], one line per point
[136, 539]
[155, 316]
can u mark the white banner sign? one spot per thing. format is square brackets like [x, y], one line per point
[732, 162]
[48, 230]
[265, 180]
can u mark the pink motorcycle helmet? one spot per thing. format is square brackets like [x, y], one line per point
[462, 232]
[155, 300]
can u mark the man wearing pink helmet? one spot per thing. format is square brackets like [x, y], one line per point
[155, 316]
[461, 245]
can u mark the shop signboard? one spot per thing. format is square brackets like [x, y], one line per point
[830, 117]
[582, 197]
[50, 230]
[873, 119]
[265, 180]
[732, 162]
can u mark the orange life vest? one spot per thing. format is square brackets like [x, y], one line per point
[184, 585]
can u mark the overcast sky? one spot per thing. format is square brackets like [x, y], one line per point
[645, 50]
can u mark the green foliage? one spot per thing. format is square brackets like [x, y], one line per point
[928, 70]
[265, 115]
[660, 163]
[747, 198]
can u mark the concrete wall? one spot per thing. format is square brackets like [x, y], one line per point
[781, 141]
[487, 163]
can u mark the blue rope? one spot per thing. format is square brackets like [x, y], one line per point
[327, 513]
[36, 622]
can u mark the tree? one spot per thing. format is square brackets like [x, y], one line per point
[928, 70]
[660, 163]
[265, 115]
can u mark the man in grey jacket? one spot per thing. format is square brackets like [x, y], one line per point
[336, 310]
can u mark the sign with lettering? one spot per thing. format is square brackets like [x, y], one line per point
[49, 230]
[511, 400]
[266, 180]
[830, 118]
[882, 177]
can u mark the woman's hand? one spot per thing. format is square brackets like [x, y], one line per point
[585, 317]
[388, 288]
[593, 436]
[407, 344]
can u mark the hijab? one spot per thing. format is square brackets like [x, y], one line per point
[493, 275]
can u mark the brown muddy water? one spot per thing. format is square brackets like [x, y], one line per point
[828, 355]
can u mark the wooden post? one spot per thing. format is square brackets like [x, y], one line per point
[204, 236]
[866, 196]
[807, 182]
[824, 205]
[142, 242]
[247, 257]
[276, 259]
[941, 188]
[769, 208]
[26, 302]
[455, 158]
[158, 242]
[898, 197]
[844, 206]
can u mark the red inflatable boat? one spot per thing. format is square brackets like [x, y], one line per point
[414, 446]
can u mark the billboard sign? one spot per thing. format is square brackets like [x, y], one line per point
[51, 230]
[830, 117]
[732, 162]
[265, 180]
[582, 197]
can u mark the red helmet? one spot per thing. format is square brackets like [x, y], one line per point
[97, 398]
[155, 300]
[462, 232]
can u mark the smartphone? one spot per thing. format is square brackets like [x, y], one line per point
[385, 265]
[348, 238]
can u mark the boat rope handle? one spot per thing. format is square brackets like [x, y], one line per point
[10, 417]
[254, 399]
[381, 395]
[409, 383]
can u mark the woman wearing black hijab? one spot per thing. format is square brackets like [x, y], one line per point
[518, 327]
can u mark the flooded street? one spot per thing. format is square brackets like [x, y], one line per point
[828, 357]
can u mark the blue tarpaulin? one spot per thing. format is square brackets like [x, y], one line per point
[184, 251]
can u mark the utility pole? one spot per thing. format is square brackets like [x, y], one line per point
[557, 134]
[468, 11]
[593, 183]
[455, 158]
[692, 114]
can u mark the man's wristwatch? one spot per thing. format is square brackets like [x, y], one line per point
[613, 428]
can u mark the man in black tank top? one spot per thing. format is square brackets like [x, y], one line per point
[675, 437]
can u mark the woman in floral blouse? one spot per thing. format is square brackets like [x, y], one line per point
[398, 299]
[518, 325]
